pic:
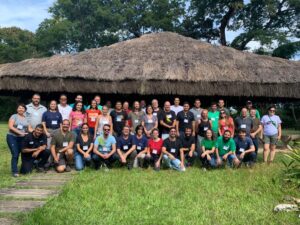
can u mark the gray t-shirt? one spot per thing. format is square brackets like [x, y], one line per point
[197, 113]
[149, 122]
[34, 114]
[21, 123]
[244, 123]
[136, 118]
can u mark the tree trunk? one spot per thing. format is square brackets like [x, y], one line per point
[224, 23]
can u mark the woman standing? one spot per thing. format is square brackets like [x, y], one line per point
[77, 118]
[272, 133]
[154, 150]
[91, 115]
[208, 150]
[225, 123]
[84, 147]
[149, 121]
[103, 119]
[18, 126]
[51, 121]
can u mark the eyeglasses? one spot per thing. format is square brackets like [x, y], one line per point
[272, 110]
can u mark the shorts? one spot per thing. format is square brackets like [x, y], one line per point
[271, 139]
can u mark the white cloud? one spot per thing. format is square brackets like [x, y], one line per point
[26, 14]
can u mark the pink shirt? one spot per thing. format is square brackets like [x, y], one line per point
[77, 119]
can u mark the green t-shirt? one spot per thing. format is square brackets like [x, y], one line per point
[225, 147]
[60, 141]
[208, 144]
[214, 118]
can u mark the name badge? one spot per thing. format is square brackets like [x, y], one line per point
[125, 147]
[105, 122]
[31, 143]
[169, 116]
[93, 119]
[173, 150]
[85, 147]
[65, 144]
[198, 116]
[35, 113]
[139, 148]
[136, 121]
[242, 150]
[213, 119]
[119, 118]
[155, 114]
[105, 149]
[225, 147]
[243, 126]
[79, 122]
[205, 128]
[186, 121]
[20, 127]
[154, 151]
[225, 128]
[54, 122]
[150, 121]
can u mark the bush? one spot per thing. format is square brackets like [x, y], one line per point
[8, 107]
[292, 166]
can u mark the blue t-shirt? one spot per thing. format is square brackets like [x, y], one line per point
[52, 119]
[105, 145]
[141, 143]
[242, 145]
[123, 144]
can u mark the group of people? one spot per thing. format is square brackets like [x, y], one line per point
[67, 135]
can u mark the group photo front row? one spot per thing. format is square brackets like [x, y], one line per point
[74, 136]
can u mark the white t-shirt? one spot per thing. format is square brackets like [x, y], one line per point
[176, 109]
[65, 111]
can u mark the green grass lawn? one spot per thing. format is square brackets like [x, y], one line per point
[226, 196]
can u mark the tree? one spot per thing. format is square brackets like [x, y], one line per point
[17, 44]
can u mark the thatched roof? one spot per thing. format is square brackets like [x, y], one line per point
[160, 63]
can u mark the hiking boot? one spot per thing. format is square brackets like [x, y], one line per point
[68, 169]
[40, 170]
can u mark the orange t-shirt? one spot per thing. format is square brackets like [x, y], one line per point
[91, 115]
[226, 125]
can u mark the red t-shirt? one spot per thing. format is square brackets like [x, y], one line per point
[226, 125]
[155, 147]
[91, 115]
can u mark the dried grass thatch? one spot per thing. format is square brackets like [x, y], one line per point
[160, 63]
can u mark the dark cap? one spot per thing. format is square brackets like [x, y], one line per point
[249, 102]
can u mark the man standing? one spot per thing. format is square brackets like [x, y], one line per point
[156, 109]
[244, 122]
[63, 107]
[62, 147]
[185, 119]
[202, 126]
[171, 151]
[249, 106]
[119, 119]
[126, 148]
[34, 148]
[197, 110]
[245, 150]
[143, 105]
[105, 149]
[222, 107]
[35, 111]
[97, 98]
[214, 116]
[167, 120]
[187, 150]
[176, 107]
[135, 116]
[78, 98]
[225, 149]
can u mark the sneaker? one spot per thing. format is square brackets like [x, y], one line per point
[105, 167]
[15, 175]
[68, 169]
[40, 170]
[204, 169]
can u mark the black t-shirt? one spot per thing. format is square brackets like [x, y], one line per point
[119, 120]
[203, 127]
[173, 147]
[185, 120]
[34, 142]
[187, 142]
[84, 145]
[168, 118]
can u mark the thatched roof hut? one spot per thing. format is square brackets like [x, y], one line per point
[160, 63]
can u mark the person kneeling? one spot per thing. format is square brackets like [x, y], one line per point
[154, 150]
[126, 148]
[170, 149]
[34, 148]
[245, 150]
[84, 146]
[62, 147]
[141, 142]
[187, 151]
[225, 150]
[105, 149]
[208, 150]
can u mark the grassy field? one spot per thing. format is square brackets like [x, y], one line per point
[244, 196]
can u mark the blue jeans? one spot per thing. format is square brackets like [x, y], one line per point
[255, 143]
[92, 131]
[173, 164]
[230, 159]
[80, 161]
[15, 145]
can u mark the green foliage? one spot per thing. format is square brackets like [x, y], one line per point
[292, 166]
[287, 51]
[8, 107]
[17, 44]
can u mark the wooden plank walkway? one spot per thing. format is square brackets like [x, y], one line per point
[30, 193]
